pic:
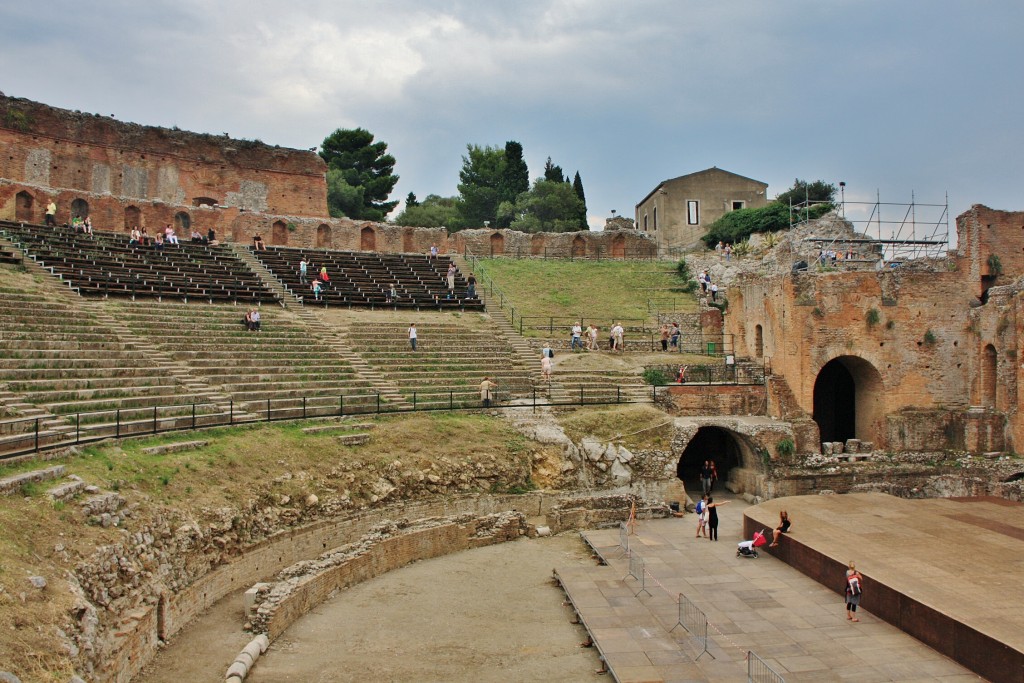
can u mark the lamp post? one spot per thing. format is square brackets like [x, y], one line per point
[842, 195]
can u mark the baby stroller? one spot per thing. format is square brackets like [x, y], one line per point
[746, 548]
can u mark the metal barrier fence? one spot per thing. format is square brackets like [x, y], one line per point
[758, 671]
[638, 572]
[712, 374]
[30, 434]
[570, 253]
[624, 537]
[691, 618]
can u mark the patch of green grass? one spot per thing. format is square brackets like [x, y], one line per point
[600, 291]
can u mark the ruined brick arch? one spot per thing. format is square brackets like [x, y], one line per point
[497, 244]
[323, 236]
[368, 239]
[279, 233]
[579, 246]
[132, 217]
[619, 247]
[182, 224]
[849, 400]
[23, 205]
[729, 449]
[204, 201]
[409, 240]
[79, 208]
[989, 364]
[537, 244]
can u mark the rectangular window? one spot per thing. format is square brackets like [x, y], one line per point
[736, 206]
[692, 212]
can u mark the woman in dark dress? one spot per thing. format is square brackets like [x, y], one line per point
[782, 528]
[713, 518]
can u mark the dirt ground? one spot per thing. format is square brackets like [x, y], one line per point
[486, 615]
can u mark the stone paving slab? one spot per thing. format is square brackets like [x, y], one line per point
[947, 571]
[791, 621]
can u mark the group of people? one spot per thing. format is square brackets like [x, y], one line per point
[141, 236]
[319, 282]
[670, 335]
[724, 250]
[586, 339]
[252, 320]
[707, 286]
[831, 256]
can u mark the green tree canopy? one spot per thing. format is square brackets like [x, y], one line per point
[817, 191]
[553, 172]
[549, 206]
[432, 212]
[359, 175]
[480, 183]
[410, 200]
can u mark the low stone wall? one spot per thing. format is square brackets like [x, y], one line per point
[717, 399]
[305, 585]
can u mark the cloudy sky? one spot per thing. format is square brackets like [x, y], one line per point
[895, 96]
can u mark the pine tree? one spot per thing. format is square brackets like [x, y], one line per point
[410, 201]
[553, 173]
[577, 186]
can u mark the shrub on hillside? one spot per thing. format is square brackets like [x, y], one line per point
[738, 225]
[684, 274]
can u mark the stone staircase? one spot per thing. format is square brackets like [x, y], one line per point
[451, 359]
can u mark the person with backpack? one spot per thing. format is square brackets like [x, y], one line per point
[853, 591]
[702, 516]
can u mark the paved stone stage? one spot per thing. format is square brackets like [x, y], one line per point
[795, 624]
[948, 571]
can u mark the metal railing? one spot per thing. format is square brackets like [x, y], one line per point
[758, 670]
[22, 436]
[638, 571]
[570, 253]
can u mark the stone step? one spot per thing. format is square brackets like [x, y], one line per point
[13, 483]
[67, 490]
[175, 447]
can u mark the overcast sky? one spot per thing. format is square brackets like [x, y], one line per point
[888, 95]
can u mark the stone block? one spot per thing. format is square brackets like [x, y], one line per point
[175, 447]
[853, 445]
[837, 447]
[353, 439]
[826, 448]
[66, 491]
[14, 483]
[237, 669]
[263, 640]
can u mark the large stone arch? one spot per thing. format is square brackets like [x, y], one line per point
[579, 246]
[79, 208]
[409, 240]
[849, 400]
[619, 247]
[23, 206]
[182, 224]
[132, 217]
[741, 448]
[538, 242]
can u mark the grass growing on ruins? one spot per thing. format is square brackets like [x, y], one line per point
[633, 426]
[598, 290]
[264, 466]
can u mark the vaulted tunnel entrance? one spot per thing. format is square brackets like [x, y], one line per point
[709, 443]
[848, 400]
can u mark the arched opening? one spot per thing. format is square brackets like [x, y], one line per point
[537, 243]
[579, 246]
[132, 217]
[989, 361]
[204, 201]
[368, 239]
[79, 208]
[758, 342]
[323, 236]
[408, 240]
[497, 244]
[23, 203]
[619, 247]
[279, 233]
[848, 400]
[182, 224]
[709, 443]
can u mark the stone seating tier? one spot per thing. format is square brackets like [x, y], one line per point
[364, 279]
[105, 264]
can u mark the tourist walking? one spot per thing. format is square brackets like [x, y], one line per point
[451, 279]
[303, 270]
[471, 286]
[575, 339]
[713, 517]
[316, 289]
[714, 292]
[51, 214]
[675, 335]
[853, 591]
[593, 338]
[617, 342]
[705, 477]
[545, 367]
[412, 336]
[664, 337]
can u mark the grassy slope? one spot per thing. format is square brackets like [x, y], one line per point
[602, 290]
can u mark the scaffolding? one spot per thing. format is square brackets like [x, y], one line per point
[916, 230]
